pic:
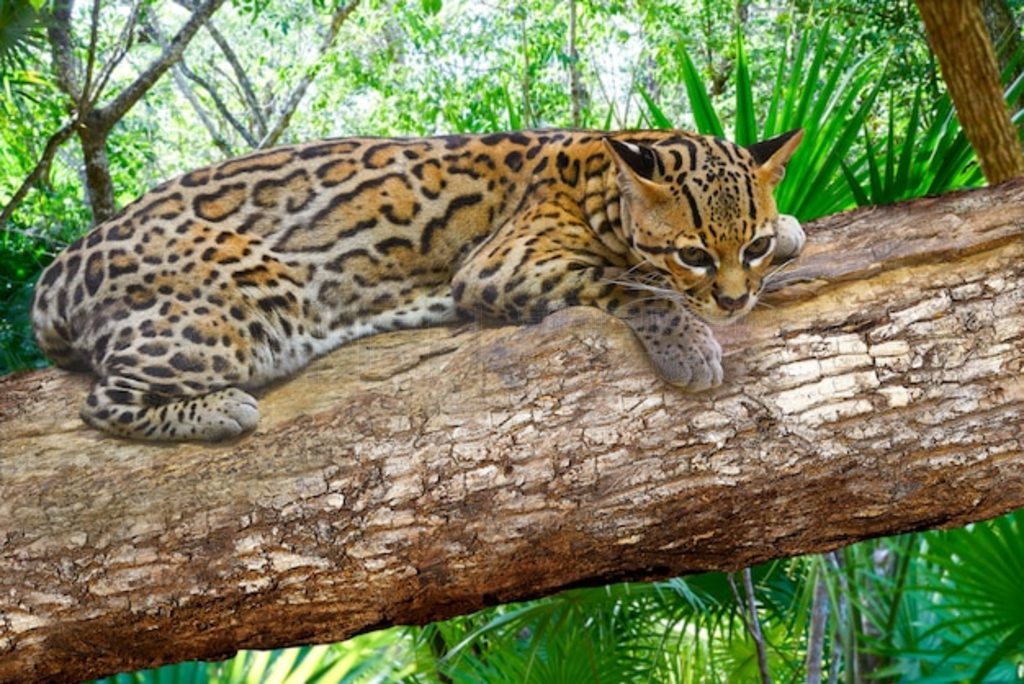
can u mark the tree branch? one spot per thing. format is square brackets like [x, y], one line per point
[245, 87]
[90, 64]
[959, 38]
[244, 84]
[746, 604]
[218, 102]
[182, 74]
[413, 476]
[299, 91]
[181, 81]
[65, 65]
[124, 43]
[38, 172]
[182, 71]
[113, 111]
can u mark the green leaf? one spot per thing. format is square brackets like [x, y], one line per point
[746, 126]
[658, 117]
[809, 92]
[771, 127]
[512, 108]
[859, 194]
[795, 76]
[909, 151]
[704, 115]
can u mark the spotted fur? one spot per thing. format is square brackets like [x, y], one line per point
[235, 275]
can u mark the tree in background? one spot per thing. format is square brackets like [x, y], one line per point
[84, 85]
[84, 80]
[259, 124]
[959, 37]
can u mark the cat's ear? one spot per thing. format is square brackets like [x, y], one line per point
[637, 160]
[637, 166]
[772, 155]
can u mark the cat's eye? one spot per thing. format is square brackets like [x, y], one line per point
[695, 257]
[758, 248]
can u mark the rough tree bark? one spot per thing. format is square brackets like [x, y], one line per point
[413, 476]
[959, 38]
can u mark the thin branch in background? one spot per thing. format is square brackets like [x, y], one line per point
[94, 23]
[575, 88]
[182, 74]
[748, 613]
[218, 102]
[217, 70]
[866, 615]
[38, 172]
[124, 43]
[890, 564]
[755, 623]
[634, 70]
[222, 144]
[242, 79]
[119, 106]
[293, 99]
[816, 631]
[610, 100]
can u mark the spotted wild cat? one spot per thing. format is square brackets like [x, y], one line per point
[232, 276]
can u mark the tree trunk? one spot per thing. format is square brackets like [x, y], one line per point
[98, 184]
[414, 476]
[959, 38]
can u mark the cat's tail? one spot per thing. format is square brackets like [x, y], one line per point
[51, 308]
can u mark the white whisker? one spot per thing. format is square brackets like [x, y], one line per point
[776, 272]
[663, 292]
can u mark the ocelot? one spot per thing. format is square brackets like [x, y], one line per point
[229, 277]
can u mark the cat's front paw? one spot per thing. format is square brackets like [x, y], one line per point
[789, 238]
[687, 356]
[692, 369]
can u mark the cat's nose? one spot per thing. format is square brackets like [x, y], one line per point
[731, 303]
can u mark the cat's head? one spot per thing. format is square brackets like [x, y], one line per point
[700, 211]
